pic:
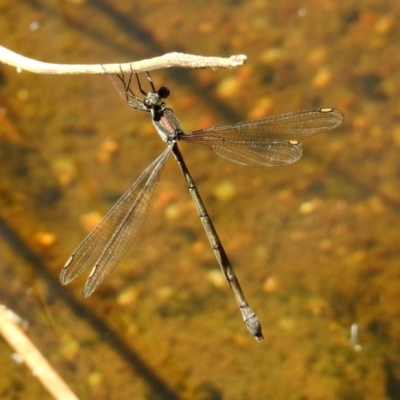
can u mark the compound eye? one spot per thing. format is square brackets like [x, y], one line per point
[163, 92]
[147, 102]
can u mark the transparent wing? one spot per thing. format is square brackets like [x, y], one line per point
[269, 154]
[269, 141]
[106, 244]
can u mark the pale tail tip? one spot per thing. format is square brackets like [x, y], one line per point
[259, 337]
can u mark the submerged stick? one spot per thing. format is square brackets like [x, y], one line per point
[12, 332]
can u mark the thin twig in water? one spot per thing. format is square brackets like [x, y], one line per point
[40, 367]
[166, 61]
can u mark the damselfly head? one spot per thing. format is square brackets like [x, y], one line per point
[153, 99]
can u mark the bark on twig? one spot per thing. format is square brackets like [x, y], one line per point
[166, 61]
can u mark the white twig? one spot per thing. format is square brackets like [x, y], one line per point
[166, 61]
[26, 350]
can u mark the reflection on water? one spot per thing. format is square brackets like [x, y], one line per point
[315, 244]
